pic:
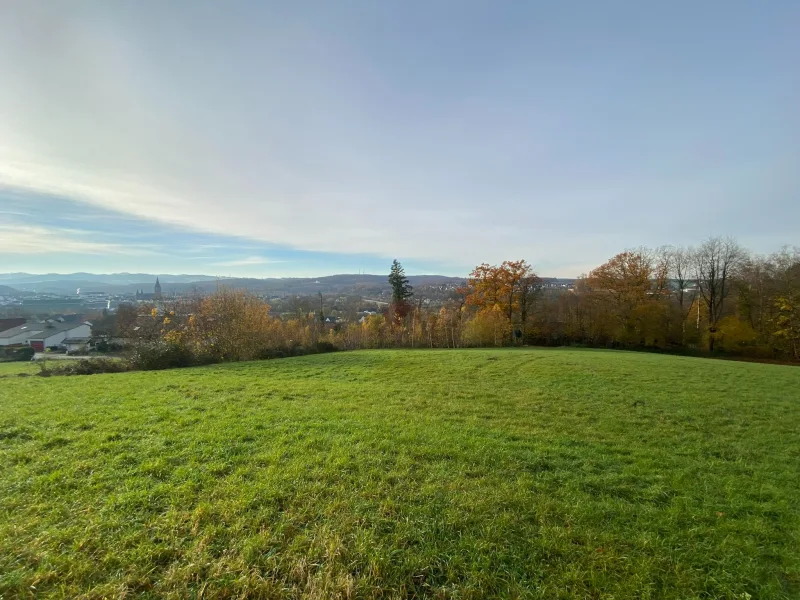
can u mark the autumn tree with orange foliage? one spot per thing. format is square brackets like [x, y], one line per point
[625, 278]
[508, 289]
[628, 285]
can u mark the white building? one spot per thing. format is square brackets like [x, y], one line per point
[20, 334]
[44, 335]
[54, 336]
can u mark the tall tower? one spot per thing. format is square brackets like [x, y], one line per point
[157, 290]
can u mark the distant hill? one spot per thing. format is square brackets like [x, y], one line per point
[128, 283]
[7, 291]
[67, 283]
[89, 278]
[124, 283]
[346, 284]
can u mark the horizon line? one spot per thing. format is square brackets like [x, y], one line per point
[225, 277]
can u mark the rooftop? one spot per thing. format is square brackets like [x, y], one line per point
[39, 330]
[26, 328]
[48, 329]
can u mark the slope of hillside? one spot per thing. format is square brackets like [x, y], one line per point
[452, 474]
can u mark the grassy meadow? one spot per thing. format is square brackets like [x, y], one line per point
[548, 473]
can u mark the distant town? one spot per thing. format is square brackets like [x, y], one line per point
[24, 295]
[73, 313]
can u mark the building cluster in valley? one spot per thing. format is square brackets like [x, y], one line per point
[66, 332]
[36, 304]
[49, 330]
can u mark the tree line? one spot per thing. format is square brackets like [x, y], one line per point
[716, 298]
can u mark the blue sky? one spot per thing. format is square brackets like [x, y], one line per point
[308, 138]
[49, 234]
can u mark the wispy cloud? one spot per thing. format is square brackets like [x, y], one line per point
[503, 143]
[26, 240]
[100, 240]
[249, 261]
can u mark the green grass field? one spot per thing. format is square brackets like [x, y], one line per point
[446, 474]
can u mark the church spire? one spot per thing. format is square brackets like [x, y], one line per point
[157, 290]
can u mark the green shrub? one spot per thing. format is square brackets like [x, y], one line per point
[23, 353]
[89, 366]
[270, 353]
[323, 347]
[161, 355]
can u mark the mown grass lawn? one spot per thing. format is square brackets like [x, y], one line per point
[445, 474]
[13, 368]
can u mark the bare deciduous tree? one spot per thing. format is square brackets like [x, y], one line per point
[715, 264]
[661, 260]
[680, 264]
